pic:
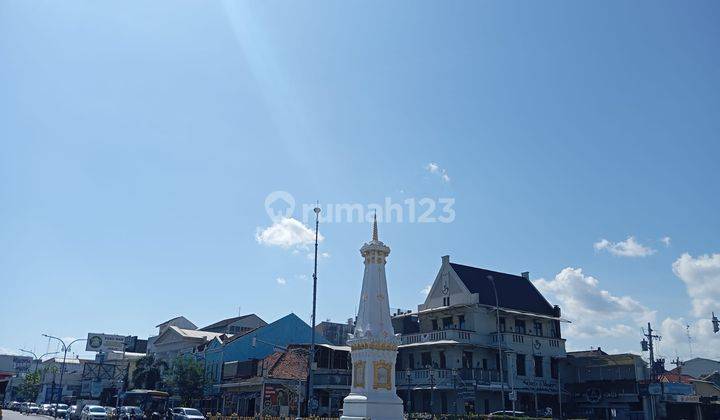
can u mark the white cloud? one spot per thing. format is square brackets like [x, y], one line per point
[701, 276]
[434, 168]
[5, 350]
[666, 240]
[321, 255]
[675, 340]
[286, 233]
[627, 248]
[426, 290]
[593, 311]
[281, 281]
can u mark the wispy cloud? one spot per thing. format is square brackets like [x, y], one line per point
[426, 290]
[434, 168]
[281, 281]
[666, 241]
[321, 255]
[627, 248]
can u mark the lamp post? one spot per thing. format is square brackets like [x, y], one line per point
[500, 356]
[432, 389]
[38, 359]
[65, 349]
[409, 396]
[311, 358]
[455, 403]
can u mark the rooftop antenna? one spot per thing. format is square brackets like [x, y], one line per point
[687, 330]
[239, 310]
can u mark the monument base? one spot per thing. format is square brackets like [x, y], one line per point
[358, 407]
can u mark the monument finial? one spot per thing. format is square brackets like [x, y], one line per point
[375, 234]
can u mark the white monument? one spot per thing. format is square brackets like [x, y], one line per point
[373, 345]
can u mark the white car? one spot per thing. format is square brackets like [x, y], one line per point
[182, 413]
[93, 412]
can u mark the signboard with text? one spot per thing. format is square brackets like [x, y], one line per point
[105, 342]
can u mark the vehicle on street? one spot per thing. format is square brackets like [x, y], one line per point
[45, 409]
[153, 403]
[30, 408]
[61, 410]
[182, 413]
[507, 413]
[93, 412]
[110, 411]
[70, 414]
[129, 412]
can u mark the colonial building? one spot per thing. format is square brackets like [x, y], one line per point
[236, 325]
[480, 335]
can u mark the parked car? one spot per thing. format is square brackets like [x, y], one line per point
[93, 412]
[30, 408]
[507, 413]
[71, 413]
[15, 405]
[45, 409]
[182, 413]
[61, 410]
[130, 412]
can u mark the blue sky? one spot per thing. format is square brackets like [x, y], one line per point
[138, 142]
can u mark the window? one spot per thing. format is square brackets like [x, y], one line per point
[434, 325]
[538, 366]
[484, 364]
[446, 301]
[467, 359]
[520, 326]
[554, 368]
[502, 324]
[442, 360]
[461, 322]
[520, 364]
[426, 359]
[411, 361]
[447, 322]
[537, 326]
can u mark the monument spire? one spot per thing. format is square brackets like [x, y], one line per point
[373, 344]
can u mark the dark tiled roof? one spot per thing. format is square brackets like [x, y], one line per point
[514, 292]
[226, 322]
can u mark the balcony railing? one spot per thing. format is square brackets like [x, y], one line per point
[339, 379]
[461, 336]
[444, 378]
[536, 342]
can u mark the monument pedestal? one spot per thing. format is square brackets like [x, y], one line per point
[360, 407]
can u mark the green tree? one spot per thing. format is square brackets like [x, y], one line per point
[186, 378]
[30, 387]
[148, 372]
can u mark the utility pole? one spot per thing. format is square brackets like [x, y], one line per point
[647, 345]
[500, 337]
[311, 358]
[679, 365]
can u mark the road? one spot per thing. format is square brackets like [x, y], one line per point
[14, 415]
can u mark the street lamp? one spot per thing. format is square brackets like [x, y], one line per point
[409, 396]
[311, 359]
[500, 356]
[65, 349]
[432, 389]
[38, 359]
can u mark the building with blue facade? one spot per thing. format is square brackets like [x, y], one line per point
[251, 346]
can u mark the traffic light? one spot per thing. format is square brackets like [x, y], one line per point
[716, 323]
[644, 345]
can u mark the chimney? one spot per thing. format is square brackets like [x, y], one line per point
[525, 275]
[445, 259]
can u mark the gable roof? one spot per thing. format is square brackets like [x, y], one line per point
[227, 321]
[174, 319]
[188, 334]
[514, 292]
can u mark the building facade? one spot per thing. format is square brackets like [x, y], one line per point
[479, 338]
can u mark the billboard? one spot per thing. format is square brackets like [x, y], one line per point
[105, 342]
